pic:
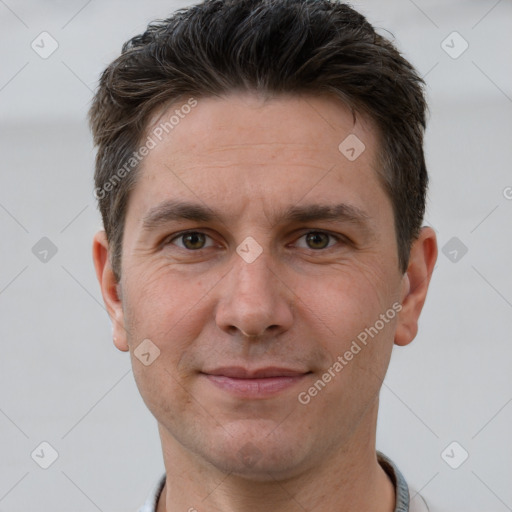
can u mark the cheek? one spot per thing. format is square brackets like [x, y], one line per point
[172, 311]
[164, 306]
[354, 320]
[169, 312]
[164, 389]
[347, 300]
[359, 348]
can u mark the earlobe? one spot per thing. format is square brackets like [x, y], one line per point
[416, 281]
[109, 289]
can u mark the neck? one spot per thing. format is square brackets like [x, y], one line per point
[349, 478]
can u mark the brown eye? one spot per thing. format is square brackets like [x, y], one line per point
[317, 240]
[192, 241]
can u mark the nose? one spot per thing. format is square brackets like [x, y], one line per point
[253, 300]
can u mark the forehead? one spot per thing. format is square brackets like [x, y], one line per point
[271, 152]
[248, 119]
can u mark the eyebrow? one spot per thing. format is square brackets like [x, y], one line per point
[173, 210]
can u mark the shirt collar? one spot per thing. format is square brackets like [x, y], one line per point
[401, 488]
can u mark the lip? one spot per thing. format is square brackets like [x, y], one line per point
[255, 383]
[239, 372]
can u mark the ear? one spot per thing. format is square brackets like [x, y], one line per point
[109, 289]
[415, 284]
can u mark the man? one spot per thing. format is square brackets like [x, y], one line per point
[261, 179]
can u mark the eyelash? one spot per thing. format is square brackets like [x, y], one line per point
[337, 238]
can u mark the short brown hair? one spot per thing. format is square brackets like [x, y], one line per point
[269, 47]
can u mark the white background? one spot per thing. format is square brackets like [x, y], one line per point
[61, 379]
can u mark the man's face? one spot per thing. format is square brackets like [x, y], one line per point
[319, 268]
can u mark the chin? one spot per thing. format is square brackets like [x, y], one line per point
[259, 459]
